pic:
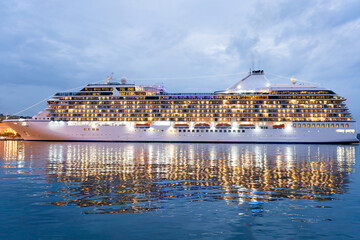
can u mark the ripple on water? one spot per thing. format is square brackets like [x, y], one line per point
[262, 183]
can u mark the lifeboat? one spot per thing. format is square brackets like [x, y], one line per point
[223, 125]
[202, 125]
[142, 124]
[247, 125]
[278, 125]
[181, 125]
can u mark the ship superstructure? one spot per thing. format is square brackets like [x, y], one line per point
[252, 110]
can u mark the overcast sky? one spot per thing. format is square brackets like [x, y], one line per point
[55, 45]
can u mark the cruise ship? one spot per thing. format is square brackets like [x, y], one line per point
[252, 110]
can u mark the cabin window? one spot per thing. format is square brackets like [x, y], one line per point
[332, 125]
[347, 125]
[342, 125]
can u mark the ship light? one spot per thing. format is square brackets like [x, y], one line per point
[288, 128]
[171, 130]
[257, 129]
[54, 125]
[162, 123]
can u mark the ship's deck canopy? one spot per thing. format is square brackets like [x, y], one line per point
[255, 80]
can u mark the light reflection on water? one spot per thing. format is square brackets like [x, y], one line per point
[143, 177]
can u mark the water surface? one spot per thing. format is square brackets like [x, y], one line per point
[72, 190]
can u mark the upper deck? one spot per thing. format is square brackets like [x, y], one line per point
[251, 99]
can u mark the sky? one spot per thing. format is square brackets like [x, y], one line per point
[187, 45]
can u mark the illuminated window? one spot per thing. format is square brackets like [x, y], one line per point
[304, 125]
[318, 125]
[294, 125]
[332, 125]
[299, 125]
[342, 125]
[322, 125]
[347, 125]
[337, 125]
[313, 125]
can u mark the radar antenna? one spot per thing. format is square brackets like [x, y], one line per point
[109, 78]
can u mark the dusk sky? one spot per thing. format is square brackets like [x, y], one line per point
[56, 45]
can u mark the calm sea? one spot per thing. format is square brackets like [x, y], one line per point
[77, 190]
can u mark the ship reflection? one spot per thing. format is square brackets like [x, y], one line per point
[135, 177]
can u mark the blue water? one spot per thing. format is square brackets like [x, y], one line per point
[51, 190]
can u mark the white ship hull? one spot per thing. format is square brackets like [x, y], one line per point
[164, 132]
